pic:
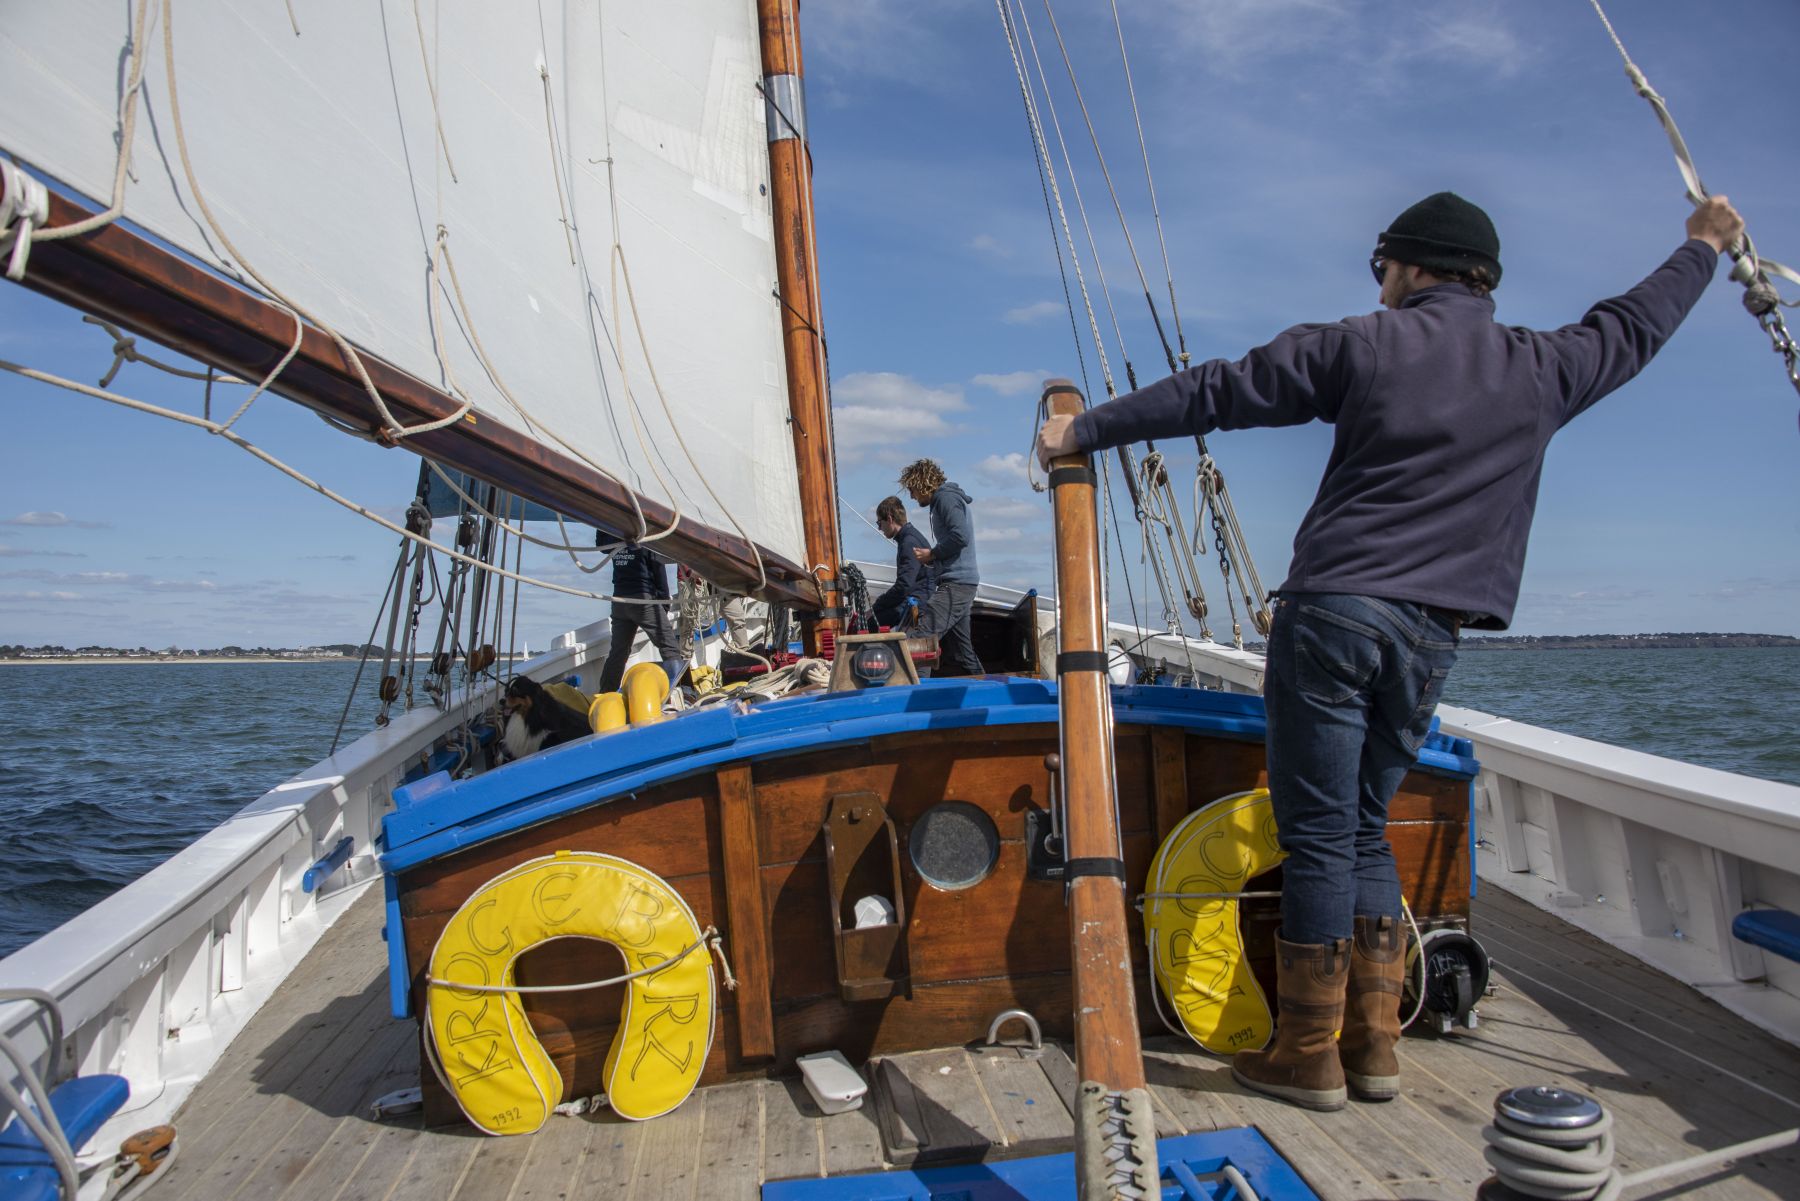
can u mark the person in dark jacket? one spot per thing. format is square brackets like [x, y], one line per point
[951, 559]
[1419, 528]
[640, 574]
[911, 577]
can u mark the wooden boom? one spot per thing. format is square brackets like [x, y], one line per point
[1115, 1128]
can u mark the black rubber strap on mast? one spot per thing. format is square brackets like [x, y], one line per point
[1068, 661]
[1074, 869]
[1071, 475]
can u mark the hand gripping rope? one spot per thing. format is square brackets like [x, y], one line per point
[1761, 297]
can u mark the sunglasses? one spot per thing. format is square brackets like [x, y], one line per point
[1378, 265]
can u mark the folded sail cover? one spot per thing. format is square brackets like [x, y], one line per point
[572, 129]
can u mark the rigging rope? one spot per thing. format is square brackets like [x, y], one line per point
[1080, 204]
[1150, 183]
[300, 477]
[1761, 297]
[1042, 150]
[1106, 174]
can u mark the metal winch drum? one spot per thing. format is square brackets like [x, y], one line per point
[1456, 977]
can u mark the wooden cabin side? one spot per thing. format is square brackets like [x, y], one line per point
[746, 847]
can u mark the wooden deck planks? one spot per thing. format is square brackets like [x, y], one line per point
[1031, 1115]
[791, 1144]
[557, 1154]
[284, 1115]
[1589, 971]
[731, 1155]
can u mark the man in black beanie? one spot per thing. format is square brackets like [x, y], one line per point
[1442, 418]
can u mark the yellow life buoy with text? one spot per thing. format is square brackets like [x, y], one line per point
[1196, 945]
[488, 1055]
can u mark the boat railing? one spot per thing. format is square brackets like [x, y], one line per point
[1653, 855]
[155, 980]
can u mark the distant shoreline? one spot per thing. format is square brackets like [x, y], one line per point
[127, 661]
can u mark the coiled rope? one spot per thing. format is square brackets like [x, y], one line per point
[1577, 1164]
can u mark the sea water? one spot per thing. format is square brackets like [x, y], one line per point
[111, 769]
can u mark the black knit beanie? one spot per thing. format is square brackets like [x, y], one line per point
[1443, 233]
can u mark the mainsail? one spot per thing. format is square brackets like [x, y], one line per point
[558, 214]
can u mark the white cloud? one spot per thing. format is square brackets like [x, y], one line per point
[873, 411]
[1733, 590]
[1012, 383]
[16, 552]
[1031, 314]
[52, 518]
[1243, 36]
[1002, 470]
[1007, 508]
[989, 244]
[1005, 533]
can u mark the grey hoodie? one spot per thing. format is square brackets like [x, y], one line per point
[953, 535]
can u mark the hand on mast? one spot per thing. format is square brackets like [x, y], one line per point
[1056, 437]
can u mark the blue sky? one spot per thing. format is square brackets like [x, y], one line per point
[1283, 133]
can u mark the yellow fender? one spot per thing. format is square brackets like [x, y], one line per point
[607, 713]
[1196, 946]
[486, 1051]
[646, 687]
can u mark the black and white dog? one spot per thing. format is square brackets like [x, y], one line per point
[535, 719]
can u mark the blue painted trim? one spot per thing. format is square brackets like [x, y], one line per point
[435, 816]
[1052, 1177]
[333, 859]
[399, 975]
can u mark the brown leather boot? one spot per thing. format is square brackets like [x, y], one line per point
[1301, 1065]
[1372, 1009]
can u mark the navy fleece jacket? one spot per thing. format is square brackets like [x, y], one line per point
[1442, 418]
[641, 572]
[953, 532]
[910, 576]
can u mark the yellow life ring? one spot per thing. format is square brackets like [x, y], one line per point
[1196, 946]
[488, 1055]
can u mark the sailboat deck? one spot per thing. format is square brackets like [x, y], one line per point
[285, 1113]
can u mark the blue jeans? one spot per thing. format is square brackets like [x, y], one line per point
[1350, 687]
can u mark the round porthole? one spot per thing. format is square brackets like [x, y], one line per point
[953, 845]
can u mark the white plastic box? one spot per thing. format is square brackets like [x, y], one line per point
[836, 1087]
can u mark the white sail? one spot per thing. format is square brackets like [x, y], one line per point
[620, 136]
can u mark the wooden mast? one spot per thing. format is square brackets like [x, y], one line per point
[1115, 1128]
[796, 265]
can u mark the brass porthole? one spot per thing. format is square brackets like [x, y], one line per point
[953, 845]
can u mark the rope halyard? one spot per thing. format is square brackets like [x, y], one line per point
[1762, 299]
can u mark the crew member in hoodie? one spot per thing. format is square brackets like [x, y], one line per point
[1418, 530]
[952, 562]
[640, 574]
[911, 577]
